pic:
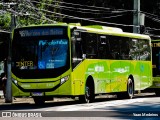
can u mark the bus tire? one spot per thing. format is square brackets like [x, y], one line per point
[39, 100]
[130, 89]
[89, 94]
[157, 92]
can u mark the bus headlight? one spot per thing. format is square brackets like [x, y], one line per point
[15, 81]
[64, 79]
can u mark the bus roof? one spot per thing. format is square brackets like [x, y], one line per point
[111, 31]
[108, 31]
[98, 29]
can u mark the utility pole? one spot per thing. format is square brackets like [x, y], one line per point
[136, 17]
[8, 98]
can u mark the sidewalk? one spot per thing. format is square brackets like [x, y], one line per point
[30, 100]
[17, 100]
[1, 93]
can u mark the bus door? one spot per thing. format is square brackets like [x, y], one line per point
[77, 67]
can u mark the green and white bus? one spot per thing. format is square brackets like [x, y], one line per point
[69, 60]
[156, 66]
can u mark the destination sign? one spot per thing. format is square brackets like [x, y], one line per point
[156, 44]
[41, 32]
[23, 63]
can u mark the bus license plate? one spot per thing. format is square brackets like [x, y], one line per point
[37, 93]
[158, 84]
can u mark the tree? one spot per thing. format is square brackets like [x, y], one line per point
[5, 20]
[29, 12]
[37, 12]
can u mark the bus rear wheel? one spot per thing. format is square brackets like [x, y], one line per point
[130, 89]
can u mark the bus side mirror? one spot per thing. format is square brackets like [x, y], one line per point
[84, 56]
[77, 36]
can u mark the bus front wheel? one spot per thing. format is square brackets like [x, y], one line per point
[89, 94]
[157, 92]
[39, 100]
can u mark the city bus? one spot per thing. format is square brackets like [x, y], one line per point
[156, 66]
[70, 60]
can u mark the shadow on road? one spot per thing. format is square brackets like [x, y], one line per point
[25, 106]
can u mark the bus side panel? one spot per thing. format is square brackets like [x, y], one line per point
[103, 82]
[136, 74]
[142, 74]
[91, 69]
[146, 74]
[120, 71]
[65, 88]
[125, 71]
[99, 70]
[115, 75]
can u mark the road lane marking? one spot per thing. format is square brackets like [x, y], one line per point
[95, 105]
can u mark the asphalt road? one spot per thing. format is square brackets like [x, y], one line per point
[142, 106]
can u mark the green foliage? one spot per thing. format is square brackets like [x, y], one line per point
[37, 13]
[28, 13]
[5, 20]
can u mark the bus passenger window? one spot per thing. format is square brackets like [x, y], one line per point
[114, 47]
[102, 47]
[134, 49]
[124, 51]
[91, 45]
[144, 50]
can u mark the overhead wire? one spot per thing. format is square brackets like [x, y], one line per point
[90, 19]
[86, 19]
[83, 10]
[154, 18]
[101, 17]
[94, 7]
[74, 17]
[87, 10]
[34, 16]
[36, 13]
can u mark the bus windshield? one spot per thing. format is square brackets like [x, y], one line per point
[41, 55]
[52, 54]
[156, 58]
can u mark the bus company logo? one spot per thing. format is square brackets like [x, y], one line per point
[6, 114]
[21, 114]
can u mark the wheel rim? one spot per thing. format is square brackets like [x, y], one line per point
[87, 95]
[130, 88]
